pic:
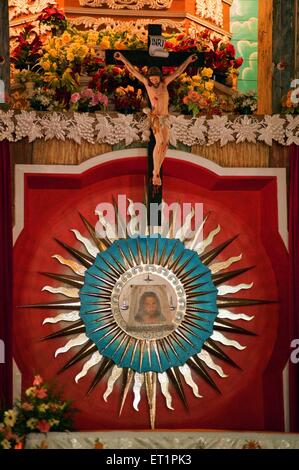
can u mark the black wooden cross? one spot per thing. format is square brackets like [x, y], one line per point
[142, 58]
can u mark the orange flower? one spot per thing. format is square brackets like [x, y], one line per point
[27, 406]
[19, 445]
[41, 393]
[37, 380]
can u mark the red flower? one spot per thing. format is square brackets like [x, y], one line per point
[230, 49]
[43, 426]
[47, 13]
[238, 62]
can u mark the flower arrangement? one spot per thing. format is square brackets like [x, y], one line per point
[220, 54]
[290, 103]
[43, 99]
[222, 57]
[29, 49]
[71, 60]
[245, 103]
[54, 18]
[195, 94]
[42, 410]
[89, 101]
[129, 99]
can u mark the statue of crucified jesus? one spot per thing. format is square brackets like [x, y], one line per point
[156, 87]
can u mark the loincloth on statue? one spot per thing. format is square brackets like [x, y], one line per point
[156, 121]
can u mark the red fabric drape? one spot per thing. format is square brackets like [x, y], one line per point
[6, 282]
[294, 279]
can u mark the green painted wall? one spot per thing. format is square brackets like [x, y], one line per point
[244, 26]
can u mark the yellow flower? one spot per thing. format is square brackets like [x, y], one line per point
[46, 65]
[5, 444]
[119, 45]
[10, 417]
[70, 56]
[54, 422]
[196, 78]
[43, 408]
[31, 423]
[105, 43]
[53, 52]
[30, 392]
[207, 72]
[209, 85]
[65, 38]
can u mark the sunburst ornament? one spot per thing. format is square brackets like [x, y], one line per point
[148, 310]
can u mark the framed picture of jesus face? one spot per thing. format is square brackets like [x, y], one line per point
[148, 305]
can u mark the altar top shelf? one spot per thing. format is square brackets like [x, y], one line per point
[191, 12]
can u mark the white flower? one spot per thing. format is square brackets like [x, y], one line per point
[10, 417]
[5, 444]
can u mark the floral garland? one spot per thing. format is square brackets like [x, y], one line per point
[126, 129]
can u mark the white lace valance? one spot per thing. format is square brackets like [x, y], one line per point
[119, 128]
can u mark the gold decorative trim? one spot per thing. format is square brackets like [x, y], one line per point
[136, 27]
[129, 4]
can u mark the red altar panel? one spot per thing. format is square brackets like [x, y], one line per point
[251, 398]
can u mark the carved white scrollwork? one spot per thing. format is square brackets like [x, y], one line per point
[210, 9]
[130, 4]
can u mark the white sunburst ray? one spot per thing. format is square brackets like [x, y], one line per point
[191, 244]
[110, 231]
[222, 339]
[138, 384]
[134, 221]
[227, 289]
[207, 359]
[91, 362]
[181, 233]
[186, 373]
[71, 292]
[221, 265]
[76, 267]
[229, 315]
[164, 385]
[89, 245]
[77, 341]
[72, 316]
[201, 246]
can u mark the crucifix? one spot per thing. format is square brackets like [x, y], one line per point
[156, 87]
